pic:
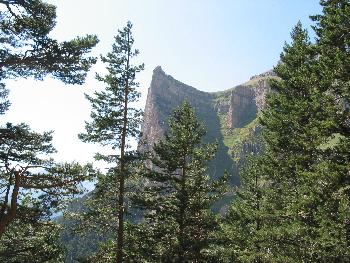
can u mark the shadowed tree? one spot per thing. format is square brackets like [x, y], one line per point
[32, 238]
[178, 193]
[26, 172]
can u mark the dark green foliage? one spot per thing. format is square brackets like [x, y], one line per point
[78, 246]
[108, 106]
[135, 246]
[294, 203]
[289, 123]
[32, 185]
[93, 220]
[332, 29]
[302, 177]
[31, 241]
[241, 236]
[178, 194]
[4, 103]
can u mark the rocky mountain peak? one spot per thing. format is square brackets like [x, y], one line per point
[158, 70]
[269, 73]
[225, 114]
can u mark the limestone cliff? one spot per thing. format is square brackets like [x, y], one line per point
[164, 94]
[229, 116]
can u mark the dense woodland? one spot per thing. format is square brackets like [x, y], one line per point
[293, 204]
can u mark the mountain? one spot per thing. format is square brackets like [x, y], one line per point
[230, 117]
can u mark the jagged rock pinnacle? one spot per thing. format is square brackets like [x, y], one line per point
[158, 69]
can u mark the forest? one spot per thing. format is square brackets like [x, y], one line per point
[157, 204]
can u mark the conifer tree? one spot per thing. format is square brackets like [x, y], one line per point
[96, 220]
[28, 50]
[241, 236]
[306, 135]
[29, 177]
[115, 121]
[32, 241]
[296, 124]
[332, 172]
[33, 187]
[178, 193]
[298, 121]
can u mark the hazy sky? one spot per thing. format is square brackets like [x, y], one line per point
[210, 45]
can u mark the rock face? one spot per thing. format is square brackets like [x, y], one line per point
[164, 94]
[243, 108]
[245, 103]
[229, 116]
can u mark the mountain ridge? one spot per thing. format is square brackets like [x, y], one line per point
[227, 115]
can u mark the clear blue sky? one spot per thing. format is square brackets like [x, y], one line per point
[211, 45]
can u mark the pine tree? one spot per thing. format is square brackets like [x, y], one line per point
[298, 122]
[115, 121]
[333, 41]
[28, 50]
[240, 236]
[96, 219]
[307, 113]
[32, 241]
[33, 186]
[178, 193]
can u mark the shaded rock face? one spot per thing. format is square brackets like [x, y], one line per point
[243, 107]
[238, 105]
[246, 102]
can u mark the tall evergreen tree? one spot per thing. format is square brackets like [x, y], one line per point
[333, 43]
[240, 237]
[178, 193]
[298, 122]
[96, 219]
[114, 120]
[306, 132]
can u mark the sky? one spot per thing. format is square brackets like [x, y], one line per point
[211, 45]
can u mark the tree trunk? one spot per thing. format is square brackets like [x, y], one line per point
[181, 253]
[120, 234]
[6, 219]
[258, 219]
